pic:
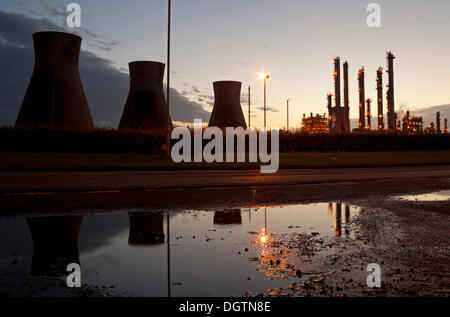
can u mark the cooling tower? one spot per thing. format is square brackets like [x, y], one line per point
[55, 244]
[227, 110]
[55, 97]
[146, 106]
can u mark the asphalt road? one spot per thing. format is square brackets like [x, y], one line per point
[104, 181]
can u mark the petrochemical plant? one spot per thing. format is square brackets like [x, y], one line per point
[338, 120]
[55, 97]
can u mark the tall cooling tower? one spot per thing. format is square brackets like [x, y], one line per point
[227, 110]
[55, 97]
[146, 106]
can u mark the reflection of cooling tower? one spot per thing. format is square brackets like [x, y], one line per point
[228, 217]
[146, 228]
[55, 97]
[55, 244]
[227, 110]
[146, 106]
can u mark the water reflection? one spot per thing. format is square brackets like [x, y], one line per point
[228, 217]
[191, 253]
[55, 244]
[146, 228]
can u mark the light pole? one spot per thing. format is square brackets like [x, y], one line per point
[288, 113]
[265, 77]
[168, 76]
[249, 103]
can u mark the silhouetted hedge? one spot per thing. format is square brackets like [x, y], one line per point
[150, 142]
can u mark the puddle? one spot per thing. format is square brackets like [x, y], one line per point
[436, 196]
[222, 253]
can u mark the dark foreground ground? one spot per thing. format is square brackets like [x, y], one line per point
[410, 240]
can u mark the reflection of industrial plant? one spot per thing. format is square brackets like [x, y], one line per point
[146, 228]
[337, 210]
[55, 244]
[228, 217]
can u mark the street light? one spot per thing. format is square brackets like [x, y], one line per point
[288, 113]
[265, 77]
[168, 76]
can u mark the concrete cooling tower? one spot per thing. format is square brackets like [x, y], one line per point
[146, 106]
[227, 110]
[55, 97]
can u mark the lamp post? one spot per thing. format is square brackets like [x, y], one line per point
[265, 77]
[168, 76]
[288, 113]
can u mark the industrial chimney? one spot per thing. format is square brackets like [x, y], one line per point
[380, 98]
[438, 122]
[227, 111]
[369, 115]
[392, 116]
[146, 106]
[346, 100]
[55, 97]
[330, 112]
[362, 99]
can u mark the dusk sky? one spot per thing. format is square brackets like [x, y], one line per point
[294, 41]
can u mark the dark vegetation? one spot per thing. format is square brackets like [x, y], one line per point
[151, 142]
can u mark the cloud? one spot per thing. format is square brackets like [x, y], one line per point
[269, 109]
[106, 87]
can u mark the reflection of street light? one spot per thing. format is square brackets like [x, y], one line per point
[264, 238]
[265, 77]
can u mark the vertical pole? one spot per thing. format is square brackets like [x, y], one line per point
[249, 103]
[265, 122]
[288, 114]
[168, 76]
[168, 256]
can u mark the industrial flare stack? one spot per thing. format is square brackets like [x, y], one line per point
[339, 116]
[55, 97]
[380, 98]
[227, 111]
[362, 99]
[392, 116]
[146, 106]
[369, 114]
